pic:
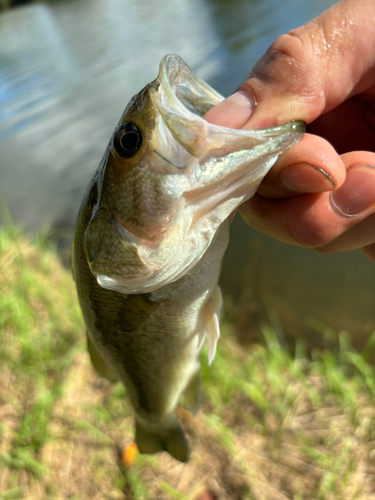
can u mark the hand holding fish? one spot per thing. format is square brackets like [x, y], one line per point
[321, 193]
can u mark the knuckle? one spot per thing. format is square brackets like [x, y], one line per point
[290, 66]
[290, 45]
[285, 54]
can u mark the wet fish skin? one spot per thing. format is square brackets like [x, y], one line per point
[149, 241]
[141, 340]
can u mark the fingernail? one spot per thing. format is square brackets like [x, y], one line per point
[358, 191]
[306, 178]
[233, 112]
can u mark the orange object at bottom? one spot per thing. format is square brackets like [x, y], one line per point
[129, 453]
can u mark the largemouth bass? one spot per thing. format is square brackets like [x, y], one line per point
[150, 237]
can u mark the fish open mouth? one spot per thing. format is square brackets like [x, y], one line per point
[224, 168]
[182, 98]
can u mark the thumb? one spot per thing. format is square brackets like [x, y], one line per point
[306, 72]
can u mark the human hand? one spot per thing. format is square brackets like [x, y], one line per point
[321, 192]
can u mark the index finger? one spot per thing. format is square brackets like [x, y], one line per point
[308, 71]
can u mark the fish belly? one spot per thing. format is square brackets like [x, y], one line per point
[159, 361]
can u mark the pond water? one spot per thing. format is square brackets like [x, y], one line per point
[68, 69]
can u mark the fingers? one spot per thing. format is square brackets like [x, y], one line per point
[307, 72]
[356, 197]
[311, 166]
[316, 220]
[307, 75]
[361, 235]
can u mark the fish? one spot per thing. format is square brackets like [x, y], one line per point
[149, 240]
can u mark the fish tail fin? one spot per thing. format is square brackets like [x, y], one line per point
[101, 367]
[192, 395]
[170, 439]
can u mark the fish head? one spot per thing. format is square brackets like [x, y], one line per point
[169, 179]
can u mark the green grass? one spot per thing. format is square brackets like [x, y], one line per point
[273, 425]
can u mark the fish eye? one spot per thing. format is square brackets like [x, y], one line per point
[127, 140]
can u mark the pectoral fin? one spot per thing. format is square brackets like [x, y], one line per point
[192, 395]
[212, 310]
[101, 367]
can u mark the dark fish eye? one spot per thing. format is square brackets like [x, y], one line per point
[127, 140]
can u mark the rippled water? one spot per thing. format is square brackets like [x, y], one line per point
[68, 69]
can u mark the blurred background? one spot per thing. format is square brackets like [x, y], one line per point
[68, 69]
[275, 424]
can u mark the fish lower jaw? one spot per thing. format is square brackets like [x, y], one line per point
[158, 271]
[152, 278]
[118, 285]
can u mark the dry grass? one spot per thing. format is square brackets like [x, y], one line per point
[272, 427]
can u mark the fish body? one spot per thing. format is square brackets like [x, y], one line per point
[149, 241]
